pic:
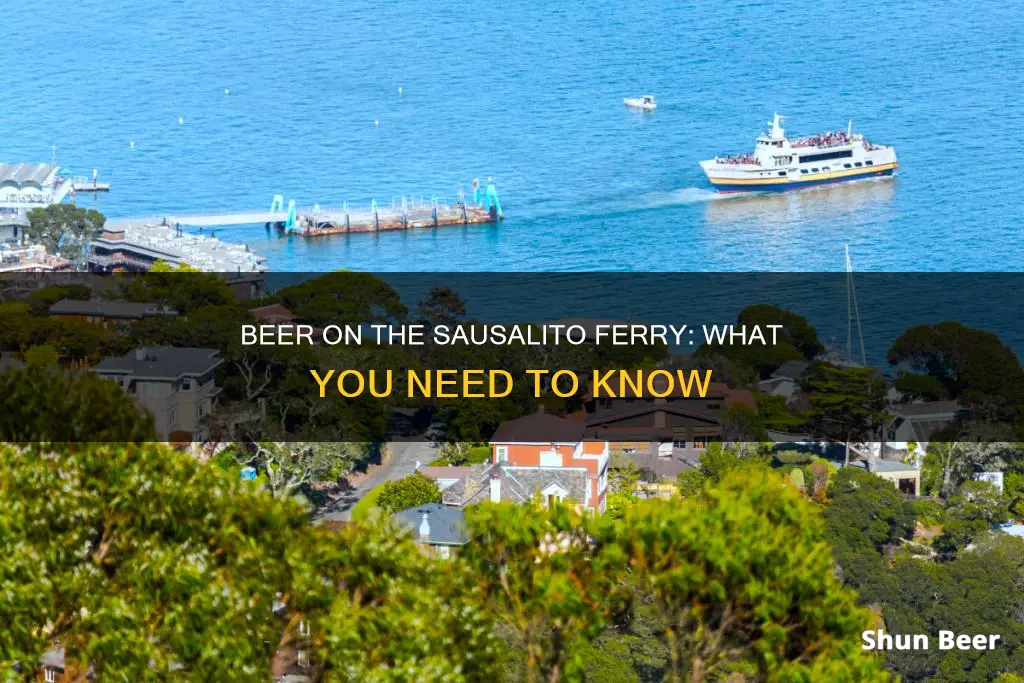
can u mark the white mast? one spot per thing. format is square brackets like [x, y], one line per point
[851, 311]
[849, 129]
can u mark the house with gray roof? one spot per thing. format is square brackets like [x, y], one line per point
[904, 476]
[502, 482]
[785, 381]
[918, 422]
[175, 385]
[440, 529]
[107, 312]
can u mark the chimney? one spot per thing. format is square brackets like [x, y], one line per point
[140, 353]
[495, 487]
[425, 527]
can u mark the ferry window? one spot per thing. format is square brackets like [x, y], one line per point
[846, 153]
[846, 166]
[804, 171]
[826, 168]
[869, 163]
[814, 170]
[857, 164]
[782, 173]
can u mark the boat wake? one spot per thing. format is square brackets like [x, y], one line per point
[680, 197]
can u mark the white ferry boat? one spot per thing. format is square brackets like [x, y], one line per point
[780, 163]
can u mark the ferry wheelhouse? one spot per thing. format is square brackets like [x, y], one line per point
[781, 163]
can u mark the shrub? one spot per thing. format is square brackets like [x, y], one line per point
[408, 492]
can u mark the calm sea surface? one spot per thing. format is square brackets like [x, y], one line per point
[531, 94]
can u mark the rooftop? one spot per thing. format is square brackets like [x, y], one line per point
[447, 526]
[22, 174]
[444, 472]
[929, 408]
[204, 252]
[791, 369]
[161, 362]
[272, 313]
[539, 428]
[518, 484]
[109, 309]
[886, 465]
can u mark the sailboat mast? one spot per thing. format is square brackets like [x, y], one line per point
[852, 310]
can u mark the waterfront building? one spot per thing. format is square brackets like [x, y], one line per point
[33, 259]
[135, 249]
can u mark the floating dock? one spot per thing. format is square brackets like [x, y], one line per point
[406, 214]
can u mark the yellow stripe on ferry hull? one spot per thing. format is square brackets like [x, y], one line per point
[804, 180]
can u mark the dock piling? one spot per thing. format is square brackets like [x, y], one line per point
[289, 222]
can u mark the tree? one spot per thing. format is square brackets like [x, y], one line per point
[971, 514]
[717, 461]
[443, 307]
[461, 453]
[64, 228]
[381, 611]
[974, 366]
[547, 577]
[48, 404]
[182, 289]
[147, 566]
[160, 266]
[947, 464]
[975, 592]
[740, 424]
[846, 404]
[719, 458]
[290, 466]
[917, 387]
[408, 492]
[343, 297]
[741, 573]
[42, 299]
[774, 413]
[979, 500]
[690, 482]
[821, 472]
[141, 563]
[796, 340]
[866, 509]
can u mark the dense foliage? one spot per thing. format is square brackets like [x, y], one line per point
[919, 588]
[145, 565]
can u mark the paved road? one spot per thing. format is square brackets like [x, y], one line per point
[404, 455]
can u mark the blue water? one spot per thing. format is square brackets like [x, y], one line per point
[531, 93]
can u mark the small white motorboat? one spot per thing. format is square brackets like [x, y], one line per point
[645, 102]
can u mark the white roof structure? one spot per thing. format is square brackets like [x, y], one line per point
[167, 244]
[31, 185]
